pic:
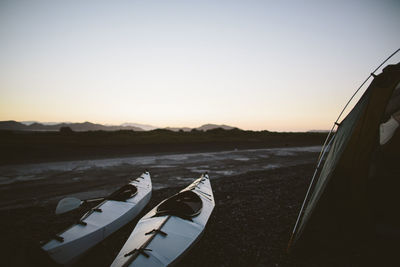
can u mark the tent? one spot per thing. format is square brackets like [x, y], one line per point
[355, 190]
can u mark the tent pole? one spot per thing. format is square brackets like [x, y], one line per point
[358, 89]
[351, 98]
[325, 145]
[308, 190]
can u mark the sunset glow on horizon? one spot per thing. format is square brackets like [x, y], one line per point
[256, 65]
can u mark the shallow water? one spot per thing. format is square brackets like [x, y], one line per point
[216, 163]
[32, 183]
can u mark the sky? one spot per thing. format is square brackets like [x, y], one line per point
[256, 65]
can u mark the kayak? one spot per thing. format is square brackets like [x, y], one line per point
[112, 213]
[167, 232]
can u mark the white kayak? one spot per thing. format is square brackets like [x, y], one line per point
[115, 211]
[164, 234]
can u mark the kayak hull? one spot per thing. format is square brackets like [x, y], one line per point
[181, 234]
[79, 238]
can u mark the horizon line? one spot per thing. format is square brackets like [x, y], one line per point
[50, 123]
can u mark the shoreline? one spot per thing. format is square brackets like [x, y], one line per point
[248, 209]
[156, 154]
[23, 148]
[250, 226]
[150, 152]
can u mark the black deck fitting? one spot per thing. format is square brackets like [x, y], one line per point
[157, 231]
[140, 250]
[59, 238]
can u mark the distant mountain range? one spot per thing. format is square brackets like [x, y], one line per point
[145, 127]
[318, 131]
[88, 126]
[207, 127]
[204, 128]
[177, 129]
[78, 127]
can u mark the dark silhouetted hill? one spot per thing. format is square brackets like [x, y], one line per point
[88, 126]
[207, 127]
[77, 127]
[13, 125]
[204, 128]
[71, 143]
[178, 129]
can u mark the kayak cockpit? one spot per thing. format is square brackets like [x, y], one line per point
[125, 192]
[185, 205]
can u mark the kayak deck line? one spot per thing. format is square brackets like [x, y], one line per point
[81, 223]
[203, 195]
[59, 238]
[141, 250]
[192, 205]
[197, 188]
[158, 231]
[97, 208]
[99, 222]
[85, 216]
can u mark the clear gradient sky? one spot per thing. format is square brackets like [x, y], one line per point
[275, 65]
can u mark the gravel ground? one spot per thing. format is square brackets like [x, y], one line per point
[250, 225]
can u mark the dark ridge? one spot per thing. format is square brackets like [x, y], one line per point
[68, 144]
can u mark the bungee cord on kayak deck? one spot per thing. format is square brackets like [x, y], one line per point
[189, 210]
[116, 210]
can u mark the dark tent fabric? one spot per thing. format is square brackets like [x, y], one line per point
[338, 211]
